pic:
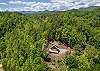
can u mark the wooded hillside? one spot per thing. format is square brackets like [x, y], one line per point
[23, 37]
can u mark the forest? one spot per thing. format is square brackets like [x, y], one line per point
[23, 37]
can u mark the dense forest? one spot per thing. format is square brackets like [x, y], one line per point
[23, 37]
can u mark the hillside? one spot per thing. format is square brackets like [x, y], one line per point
[23, 39]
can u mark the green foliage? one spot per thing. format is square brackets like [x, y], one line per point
[71, 61]
[85, 61]
[97, 67]
[23, 38]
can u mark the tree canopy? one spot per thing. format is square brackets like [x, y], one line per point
[23, 37]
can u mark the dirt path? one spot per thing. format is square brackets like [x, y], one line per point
[57, 51]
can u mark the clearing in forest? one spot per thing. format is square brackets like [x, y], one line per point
[57, 50]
